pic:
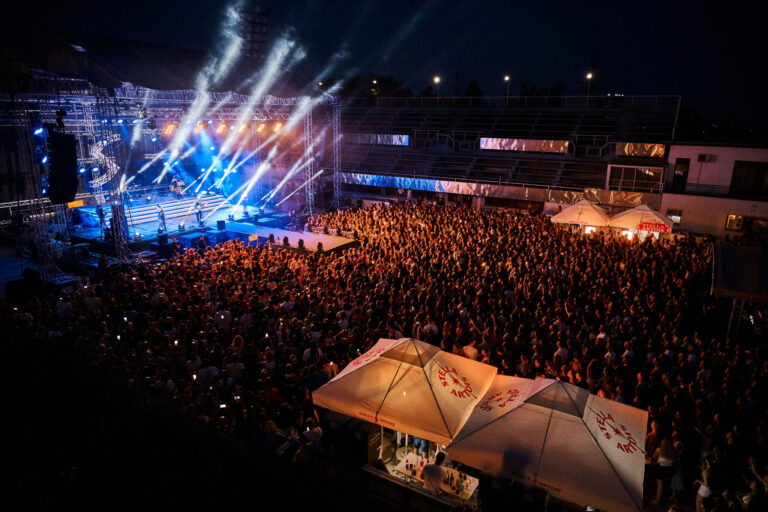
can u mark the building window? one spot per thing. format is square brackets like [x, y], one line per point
[750, 179]
[734, 222]
[674, 215]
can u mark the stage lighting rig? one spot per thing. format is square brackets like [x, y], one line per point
[60, 113]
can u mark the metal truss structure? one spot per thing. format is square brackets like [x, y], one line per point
[309, 166]
[162, 106]
[107, 113]
[336, 132]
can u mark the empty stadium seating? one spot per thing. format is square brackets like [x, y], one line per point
[445, 137]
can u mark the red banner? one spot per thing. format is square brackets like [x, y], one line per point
[657, 227]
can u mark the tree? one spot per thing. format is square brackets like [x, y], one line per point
[473, 90]
[555, 90]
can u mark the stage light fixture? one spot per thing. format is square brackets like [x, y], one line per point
[261, 127]
[242, 128]
[119, 121]
[39, 131]
[95, 169]
[221, 127]
[82, 170]
[212, 148]
[44, 160]
[169, 129]
[199, 127]
[152, 124]
[154, 139]
[278, 127]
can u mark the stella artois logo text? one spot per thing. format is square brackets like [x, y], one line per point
[459, 386]
[499, 400]
[368, 357]
[608, 428]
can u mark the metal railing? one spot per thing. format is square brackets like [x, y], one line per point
[668, 101]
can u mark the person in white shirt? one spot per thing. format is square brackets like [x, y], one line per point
[434, 474]
[562, 352]
[470, 351]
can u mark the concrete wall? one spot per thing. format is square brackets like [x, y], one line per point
[718, 173]
[704, 214]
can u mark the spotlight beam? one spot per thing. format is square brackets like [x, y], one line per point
[269, 75]
[300, 187]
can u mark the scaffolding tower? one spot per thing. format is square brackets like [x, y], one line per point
[309, 167]
[336, 131]
[107, 112]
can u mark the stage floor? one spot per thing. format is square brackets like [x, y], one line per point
[147, 231]
[330, 242]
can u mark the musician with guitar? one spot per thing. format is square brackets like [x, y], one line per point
[199, 210]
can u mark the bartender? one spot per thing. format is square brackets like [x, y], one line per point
[434, 474]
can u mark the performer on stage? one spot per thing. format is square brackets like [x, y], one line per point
[161, 218]
[199, 210]
[102, 219]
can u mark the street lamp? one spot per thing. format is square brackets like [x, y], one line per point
[506, 98]
[589, 83]
[436, 80]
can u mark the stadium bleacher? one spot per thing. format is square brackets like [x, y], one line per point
[445, 137]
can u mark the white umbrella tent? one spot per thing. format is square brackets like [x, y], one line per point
[642, 218]
[409, 386]
[584, 213]
[579, 447]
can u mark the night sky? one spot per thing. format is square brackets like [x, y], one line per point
[713, 56]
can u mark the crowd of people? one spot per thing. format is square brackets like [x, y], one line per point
[239, 336]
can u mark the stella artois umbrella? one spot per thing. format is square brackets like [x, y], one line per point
[579, 447]
[584, 212]
[409, 386]
[642, 218]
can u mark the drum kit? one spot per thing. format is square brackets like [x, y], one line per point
[177, 187]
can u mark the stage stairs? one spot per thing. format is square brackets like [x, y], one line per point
[176, 210]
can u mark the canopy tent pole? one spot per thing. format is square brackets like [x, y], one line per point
[738, 317]
[730, 319]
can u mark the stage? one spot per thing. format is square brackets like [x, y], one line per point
[246, 232]
[143, 227]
